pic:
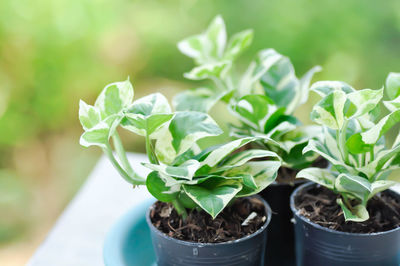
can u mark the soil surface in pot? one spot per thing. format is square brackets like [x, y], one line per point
[319, 205]
[288, 175]
[200, 227]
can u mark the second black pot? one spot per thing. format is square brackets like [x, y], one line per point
[246, 251]
[318, 245]
[280, 242]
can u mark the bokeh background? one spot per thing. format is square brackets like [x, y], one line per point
[55, 52]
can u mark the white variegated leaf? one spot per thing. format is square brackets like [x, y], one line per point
[89, 116]
[392, 87]
[200, 99]
[238, 43]
[212, 199]
[114, 98]
[330, 110]
[221, 152]
[96, 136]
[320, 176]
[381, 185]
[324, 88]
[184, 171]
[209, 70]
[184, 130]
[364, 100]
[372, 135]
[263, 172]
[358, 213]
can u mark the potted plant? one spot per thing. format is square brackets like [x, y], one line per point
[264, 100]
[347, 216]
[206, 211]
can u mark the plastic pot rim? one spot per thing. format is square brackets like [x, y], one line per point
[197, 244]
[320, 227]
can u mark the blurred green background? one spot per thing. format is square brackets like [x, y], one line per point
[54, 52]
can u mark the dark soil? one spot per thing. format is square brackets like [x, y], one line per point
[200, 227]
[288, 175]
[319, 205]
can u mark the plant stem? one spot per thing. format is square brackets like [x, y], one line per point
[150, 151]
[180, 209]
[135, 179]
[121, 153]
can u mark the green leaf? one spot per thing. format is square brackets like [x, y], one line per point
[216, 34]
[364, 101]
[393, 105]
[208, 46]
[218, 154]
[156, 186]
[266, 59]
[238, 43]
[324, 177]
[372, 135]
[305, 85]
[114, 98]
[325, 152]
[253, 110]
[356, 185]
[184, 171]
[200, 100]
[280, 82]
[264, 173]
[324, 88]
[96, 136]
[330, 110]
[358, 213]
[381, 185]
[243, 157]
[212, 199]
[184, 130]
[209, 70]
[392, 87]
[154, 103]
[356, 145]
[89, 116]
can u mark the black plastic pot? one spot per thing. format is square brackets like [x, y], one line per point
[318, 245]
[248, 250]
[280, 242]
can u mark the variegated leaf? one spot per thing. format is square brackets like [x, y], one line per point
[356, 185]
[264, 173]
[358, 213]
[212, 199]
[324, 88]
[392, 87]
[254, 110]
[324, 177]
[218, 154]
[184, 130]
[364, 101]
[330, 110]
[184, 171]
[200, 99]
[96, 136]
[89, 116]
[238, 43]
[209, 70]
[114, 98]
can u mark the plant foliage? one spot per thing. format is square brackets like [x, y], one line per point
[182, 173]
[263, 98]
[353, 142]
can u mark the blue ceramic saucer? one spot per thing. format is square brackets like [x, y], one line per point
[129, 242]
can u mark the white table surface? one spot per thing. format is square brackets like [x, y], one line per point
[78, 236]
